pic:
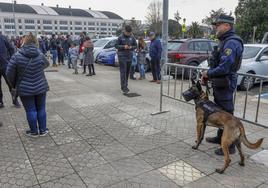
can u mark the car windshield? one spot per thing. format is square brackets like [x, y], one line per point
[100, 43]
[250, 52]
[172, 46]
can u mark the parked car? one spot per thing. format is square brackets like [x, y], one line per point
[104, 43]
[108, 57]
[189, 52]
[255, 61]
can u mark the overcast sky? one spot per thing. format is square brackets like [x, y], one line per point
[192, 10]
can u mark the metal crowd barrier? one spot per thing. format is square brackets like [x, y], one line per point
[169, 70]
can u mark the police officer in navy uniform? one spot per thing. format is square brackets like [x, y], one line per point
[222, 72]
[126, 44]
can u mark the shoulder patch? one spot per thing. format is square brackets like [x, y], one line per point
[228, 51]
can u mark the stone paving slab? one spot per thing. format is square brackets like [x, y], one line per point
[100, 138]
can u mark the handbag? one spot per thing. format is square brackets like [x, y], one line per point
[14, 91]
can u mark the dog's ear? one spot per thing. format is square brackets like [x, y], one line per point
[198, 85]
[193, 82]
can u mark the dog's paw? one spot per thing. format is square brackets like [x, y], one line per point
[241, 163]
[220, 171]
[195, 147]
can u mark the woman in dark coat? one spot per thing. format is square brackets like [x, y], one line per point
[25, 72]
[89, 57]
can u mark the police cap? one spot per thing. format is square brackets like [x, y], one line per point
[223, 18]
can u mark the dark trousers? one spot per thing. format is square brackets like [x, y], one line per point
[228, 107]
[35, 107]
[90, 67]
[124, 66]
[3, 74]
[60, 57]
[155, 67]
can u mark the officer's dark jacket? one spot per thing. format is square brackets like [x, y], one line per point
[6, 51]
[120, 46]
[155, 50]
[33, 81]
[229, 50]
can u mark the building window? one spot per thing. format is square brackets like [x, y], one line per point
[78, 28]
[47, 27]
[56, 27]
[71, 22]
[20, 26]
[8, 20]
[85, 23]
[38, 21]
[9, 27]
[63, 28]
[19, 20]
[39, 27]
[71, 28]
[91, 29]
[91, 23]
[103, 29]
[114, 29]
[55, 22]
[78, 23]
[29, 27]
[28, 21]
[114, 25]
[47, 22]
[63, 22]
[103, 24]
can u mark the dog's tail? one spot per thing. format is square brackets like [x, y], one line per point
[245, 141]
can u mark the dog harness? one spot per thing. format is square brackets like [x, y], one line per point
[208, 107]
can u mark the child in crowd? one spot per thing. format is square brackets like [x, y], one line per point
[73, 52]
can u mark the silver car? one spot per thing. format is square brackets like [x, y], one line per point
[255, 61]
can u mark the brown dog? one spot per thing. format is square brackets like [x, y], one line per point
[233, 129]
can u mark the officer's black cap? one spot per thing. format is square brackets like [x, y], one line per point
[223, 18]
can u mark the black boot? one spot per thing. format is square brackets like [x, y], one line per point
[231, 150]
[93, 69]
[89, 70]
[216, 139]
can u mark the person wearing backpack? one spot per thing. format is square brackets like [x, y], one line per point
[25, 73]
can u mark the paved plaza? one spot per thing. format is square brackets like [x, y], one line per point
[101, 138]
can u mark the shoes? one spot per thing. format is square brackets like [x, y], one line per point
[132, 78]
[31, 134]
[44, 133]
[94, 73]
[1, 124]
[2, 105]
[158, 82]
[152, 80]
[84, 72]
[220, 152]
[213, 140]
[89, 75]
[125, 90]
[16, 104]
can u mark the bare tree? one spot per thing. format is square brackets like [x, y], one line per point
[177, 16]
[154, 16]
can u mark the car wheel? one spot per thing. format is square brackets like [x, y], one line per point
[247, 82]
[193, 72]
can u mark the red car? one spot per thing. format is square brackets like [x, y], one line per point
[189, 52]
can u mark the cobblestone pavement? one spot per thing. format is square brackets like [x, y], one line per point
[101, 138]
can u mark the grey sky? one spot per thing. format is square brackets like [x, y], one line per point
[192, 10]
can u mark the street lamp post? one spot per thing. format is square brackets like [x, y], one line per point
[13, 8]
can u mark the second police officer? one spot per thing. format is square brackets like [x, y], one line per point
[126, 44]
[222, 72]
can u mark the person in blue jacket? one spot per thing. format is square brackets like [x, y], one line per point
[225, 63]
[6, 51]
[25, 72]
[155, 52]
[126, 44]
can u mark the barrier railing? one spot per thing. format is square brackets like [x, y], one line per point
[170, 70]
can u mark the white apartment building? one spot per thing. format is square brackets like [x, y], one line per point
[19, 19]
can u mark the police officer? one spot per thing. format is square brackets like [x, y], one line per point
[6, 51]
[126, 44]
[225, 63]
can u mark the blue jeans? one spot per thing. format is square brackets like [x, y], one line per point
[35, 107]
[54, 54]
[142, 71]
